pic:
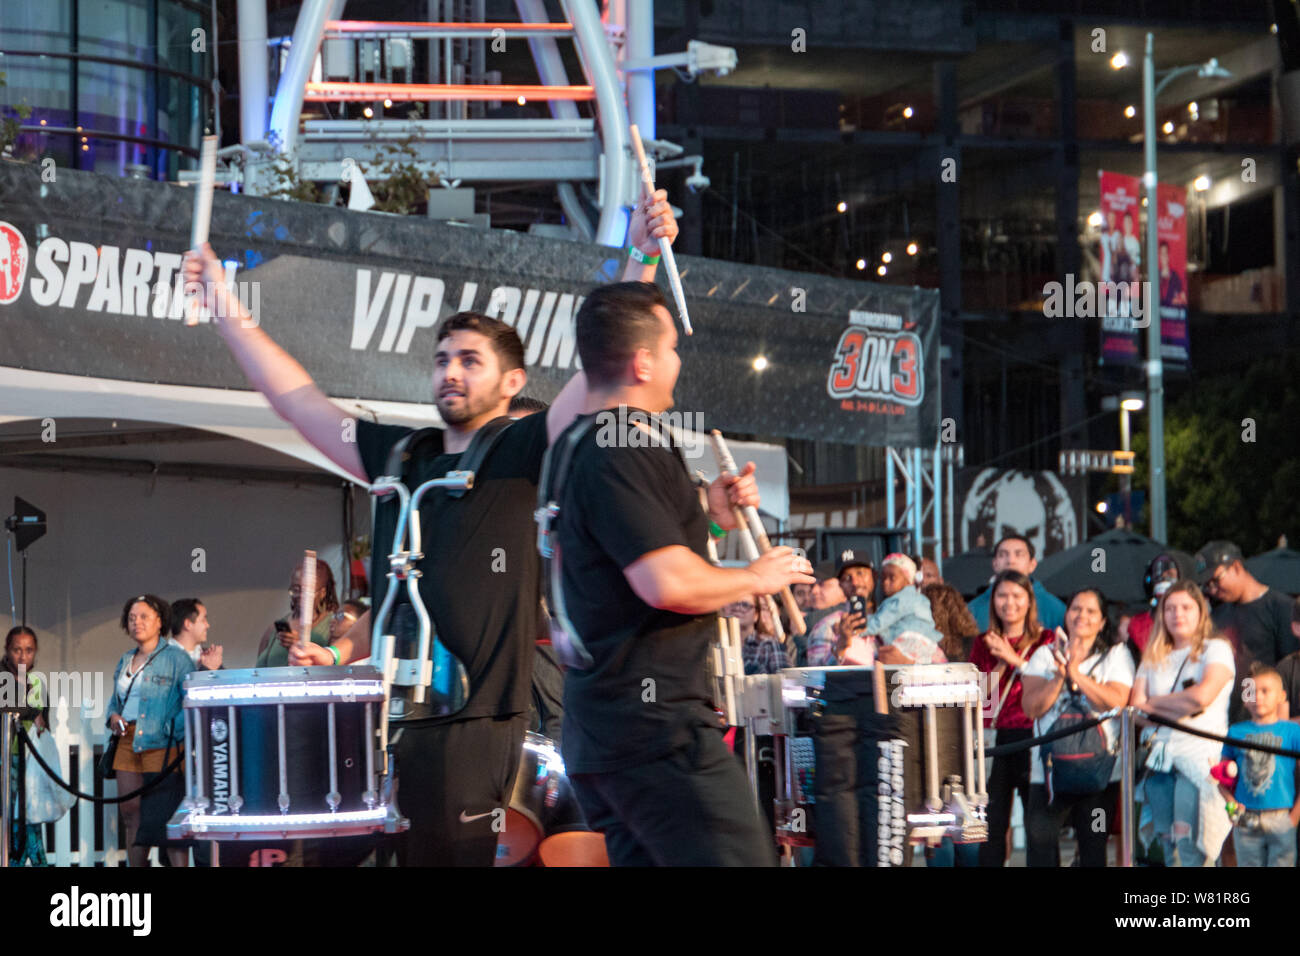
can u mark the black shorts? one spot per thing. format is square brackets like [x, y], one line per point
[451, 777]
[690, 808]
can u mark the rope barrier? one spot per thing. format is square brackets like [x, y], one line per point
[1239, 744]
[162, 775]
[1004, 750]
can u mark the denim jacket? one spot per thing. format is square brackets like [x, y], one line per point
[906, 610]
[159, 685]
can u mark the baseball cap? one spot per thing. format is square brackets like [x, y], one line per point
[1214, 555]
[848, 559]
[825, 570]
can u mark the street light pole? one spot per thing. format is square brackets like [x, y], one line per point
[1155, 364]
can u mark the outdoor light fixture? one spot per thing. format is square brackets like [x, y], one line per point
[1095, 220]
[388, 104]
[367, 112]
[861, 263]
[521, 100]
[912, 248]
[1201, 183]
[1101, 507]
[842, 207]
[1168, 127]
[1193, 107]
[887, 257]
[1130, 111]
[881, 271]
[1135, 404]
[760, 363]
[907, 112]
[1119, 60]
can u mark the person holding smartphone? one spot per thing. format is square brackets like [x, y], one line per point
[273, 650]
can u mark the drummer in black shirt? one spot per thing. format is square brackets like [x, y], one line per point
[642, 743]
[480, 575]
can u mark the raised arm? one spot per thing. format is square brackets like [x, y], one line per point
[650, 221]
[273, 371]
[675, 578]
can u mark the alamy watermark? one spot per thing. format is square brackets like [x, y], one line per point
[57, 689]
[1126, 304]
[634, 428]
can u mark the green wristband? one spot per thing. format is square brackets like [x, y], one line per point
[716, 530]
[634, 253]
[338, 658]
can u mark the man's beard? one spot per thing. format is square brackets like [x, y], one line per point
[468, 410]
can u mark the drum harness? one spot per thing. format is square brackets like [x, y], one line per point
[556, 465]
[396, 516]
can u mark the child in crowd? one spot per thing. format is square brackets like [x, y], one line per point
[904, 625]
[1265, 791]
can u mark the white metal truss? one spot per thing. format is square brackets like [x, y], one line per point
[929, 489]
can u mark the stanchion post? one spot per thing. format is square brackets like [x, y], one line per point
[1126, 798]
[6, 748]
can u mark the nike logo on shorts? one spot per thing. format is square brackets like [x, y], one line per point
[477, 816]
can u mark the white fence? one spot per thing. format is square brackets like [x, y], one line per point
[87, 835]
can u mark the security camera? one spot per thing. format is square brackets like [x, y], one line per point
[697, 181]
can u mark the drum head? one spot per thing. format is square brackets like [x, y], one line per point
[576, 848]
[517, 844]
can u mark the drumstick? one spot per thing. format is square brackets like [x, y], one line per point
[665, 249]
[202, 215]
[307, 599]
[749, 521]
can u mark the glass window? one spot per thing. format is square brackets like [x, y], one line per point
[44, 25]
[116, 28]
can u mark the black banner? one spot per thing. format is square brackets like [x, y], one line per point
[89, 286]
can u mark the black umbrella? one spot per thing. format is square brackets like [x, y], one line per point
[970, 571]
[1279, 568]
[1114, 561]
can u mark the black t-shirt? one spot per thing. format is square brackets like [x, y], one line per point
[1289, 668]
[647, 691]
[481, 575]
[1259, 631]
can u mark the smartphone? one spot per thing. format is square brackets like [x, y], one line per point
[282, 626]
[1062, 643]
[858, 605]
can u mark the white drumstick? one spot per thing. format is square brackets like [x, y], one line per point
[665, 249]
[202, 214]
[307, 599]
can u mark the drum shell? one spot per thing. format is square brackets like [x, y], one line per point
[256, 751]
[542, 802]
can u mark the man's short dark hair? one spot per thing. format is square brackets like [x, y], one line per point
[523, 403]
[1015, 537]
[184, 611]
[505, 340]
[615, 320]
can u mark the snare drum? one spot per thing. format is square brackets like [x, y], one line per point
[541, 805]
[283, 752]
[862, 785]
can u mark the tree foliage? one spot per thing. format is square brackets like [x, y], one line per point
[1219, 482]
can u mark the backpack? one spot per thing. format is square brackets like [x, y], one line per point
[1080, 763]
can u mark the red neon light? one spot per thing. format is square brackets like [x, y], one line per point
[368, 26]
[367, 92]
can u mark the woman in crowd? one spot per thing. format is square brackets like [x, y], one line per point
[145, 714]
[20, 658]
[953, 620]
[1013, 636]
[273, 650]
[1095, 666]
[1186, 675]
[762, 652]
